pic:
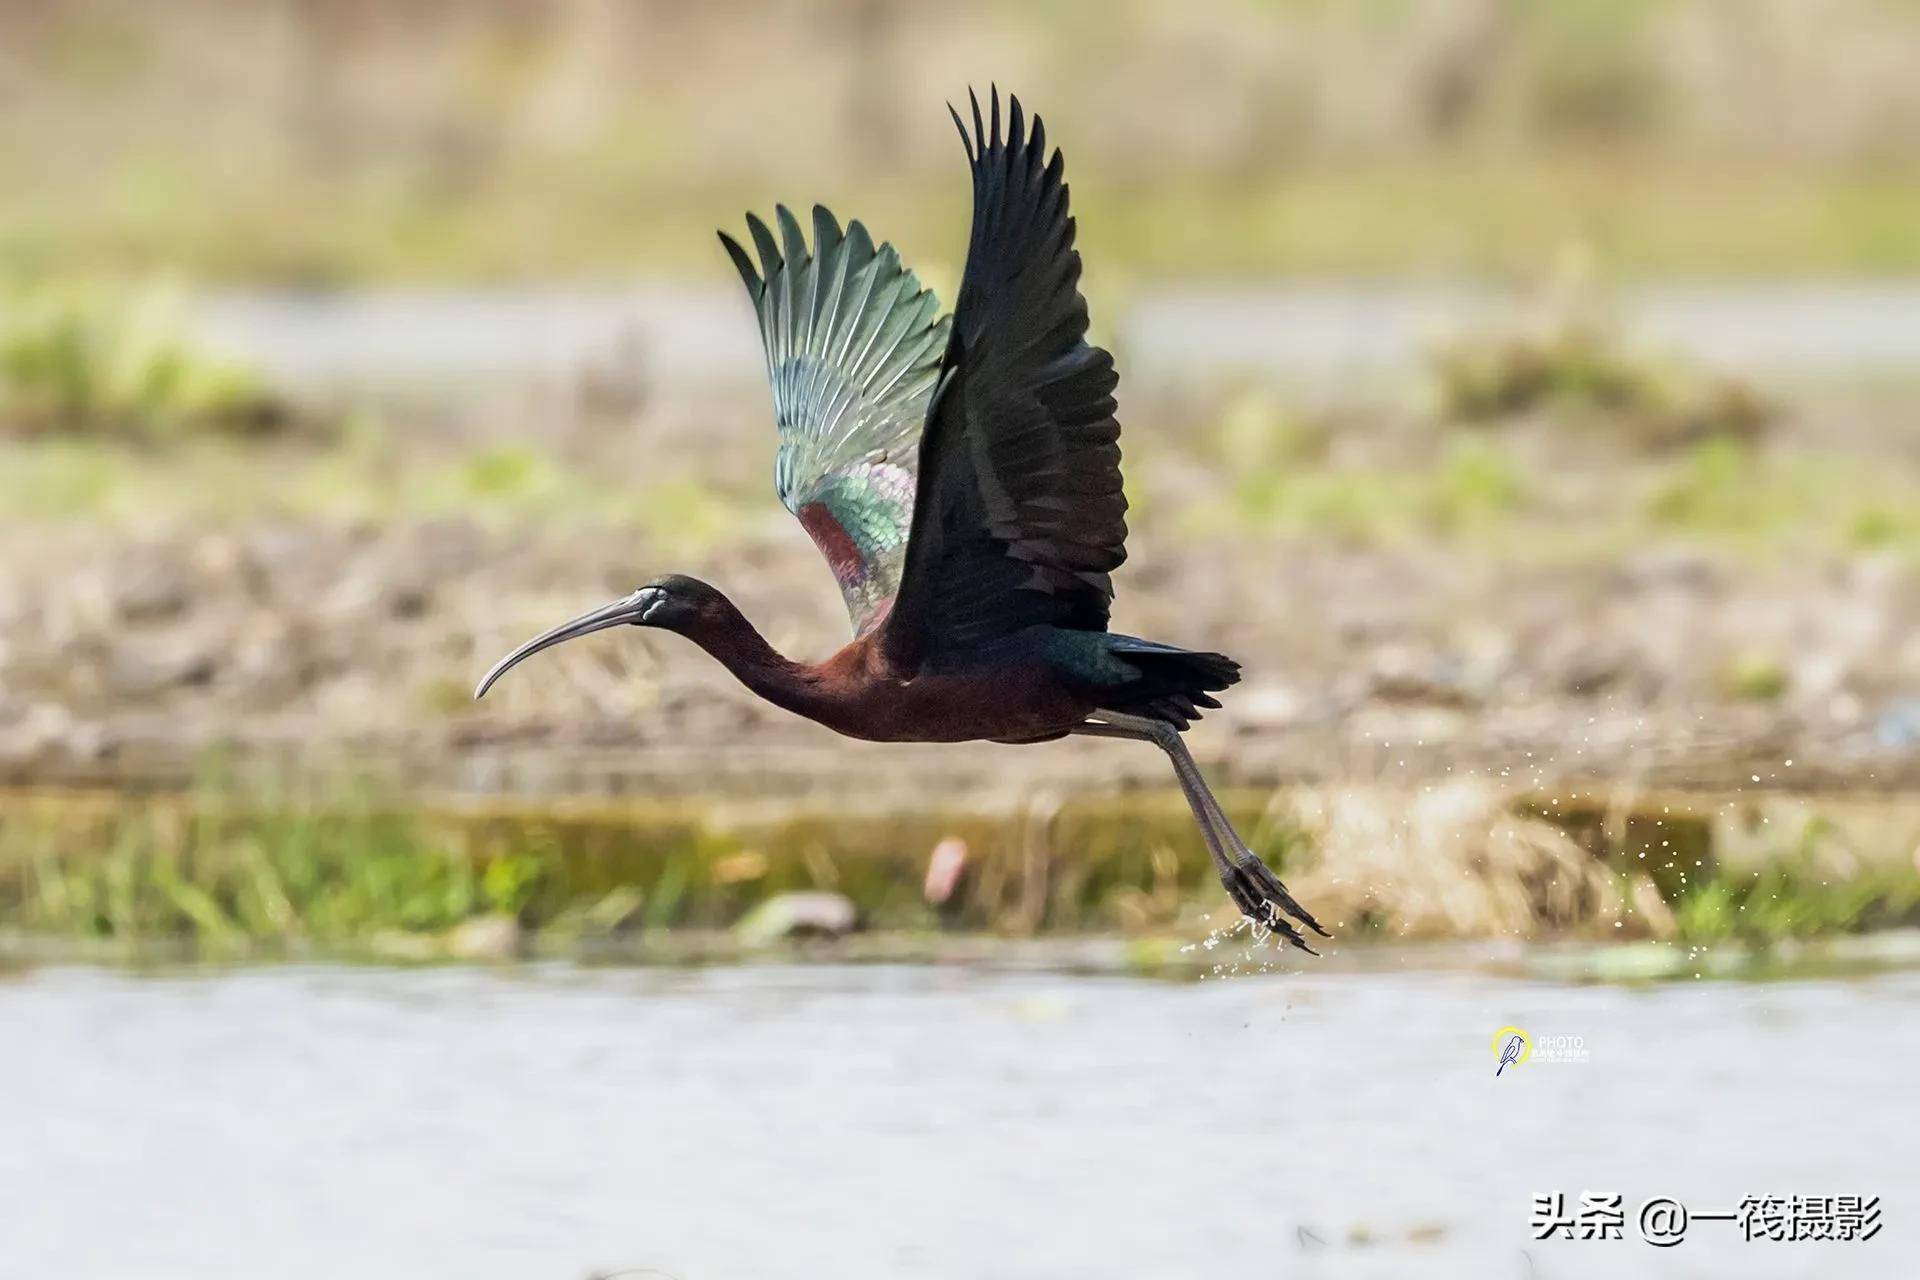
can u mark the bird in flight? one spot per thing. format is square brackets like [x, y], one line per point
[961, 476]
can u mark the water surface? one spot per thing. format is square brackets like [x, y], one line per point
[883, 1121]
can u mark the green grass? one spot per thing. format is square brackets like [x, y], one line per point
[244, 874]
[77, 361]
[1728, 494]
[231, 874]
[1794, 901]
[279, 874]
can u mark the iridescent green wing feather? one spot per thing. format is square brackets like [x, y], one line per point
[853, 349]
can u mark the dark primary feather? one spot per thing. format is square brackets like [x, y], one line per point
[853, 348]
[1019, 515]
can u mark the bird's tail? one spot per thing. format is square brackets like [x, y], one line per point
[1174, 684]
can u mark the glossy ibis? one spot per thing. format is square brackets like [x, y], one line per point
[961, 475]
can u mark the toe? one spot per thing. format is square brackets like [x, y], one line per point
[1262, 898]
[1276, 892]
[1250, 892]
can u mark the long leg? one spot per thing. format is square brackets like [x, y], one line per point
[1251, 883]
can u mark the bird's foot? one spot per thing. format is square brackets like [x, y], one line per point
[1262, 899]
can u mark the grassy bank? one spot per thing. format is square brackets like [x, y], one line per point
[224, 876]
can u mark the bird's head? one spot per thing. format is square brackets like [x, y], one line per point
[673, 603]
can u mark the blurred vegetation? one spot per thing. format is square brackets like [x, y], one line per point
[1583, 370]
[1473, 488]
[237, 874]
[76, 361]
[1796, 901]
[1570, 360]
[1756, 676]
[1727, 492]
[320, 141]
[1254, 467]
[365, 476]
[1572, 486]
[350, 872]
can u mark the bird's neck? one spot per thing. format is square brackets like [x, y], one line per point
[738, 646]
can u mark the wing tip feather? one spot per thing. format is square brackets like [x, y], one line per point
[743, 264]
[827, 235]
[792, 238]
[966, 139]
[763, 244]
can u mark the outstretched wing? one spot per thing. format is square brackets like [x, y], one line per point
[1019, 517]
[853, 348]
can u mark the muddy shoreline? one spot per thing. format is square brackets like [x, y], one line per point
[291, 650]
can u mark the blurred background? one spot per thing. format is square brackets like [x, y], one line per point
[1523, 392]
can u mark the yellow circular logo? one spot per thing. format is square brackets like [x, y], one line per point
[1513, 1047]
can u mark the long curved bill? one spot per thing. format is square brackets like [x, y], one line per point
[628, 609]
